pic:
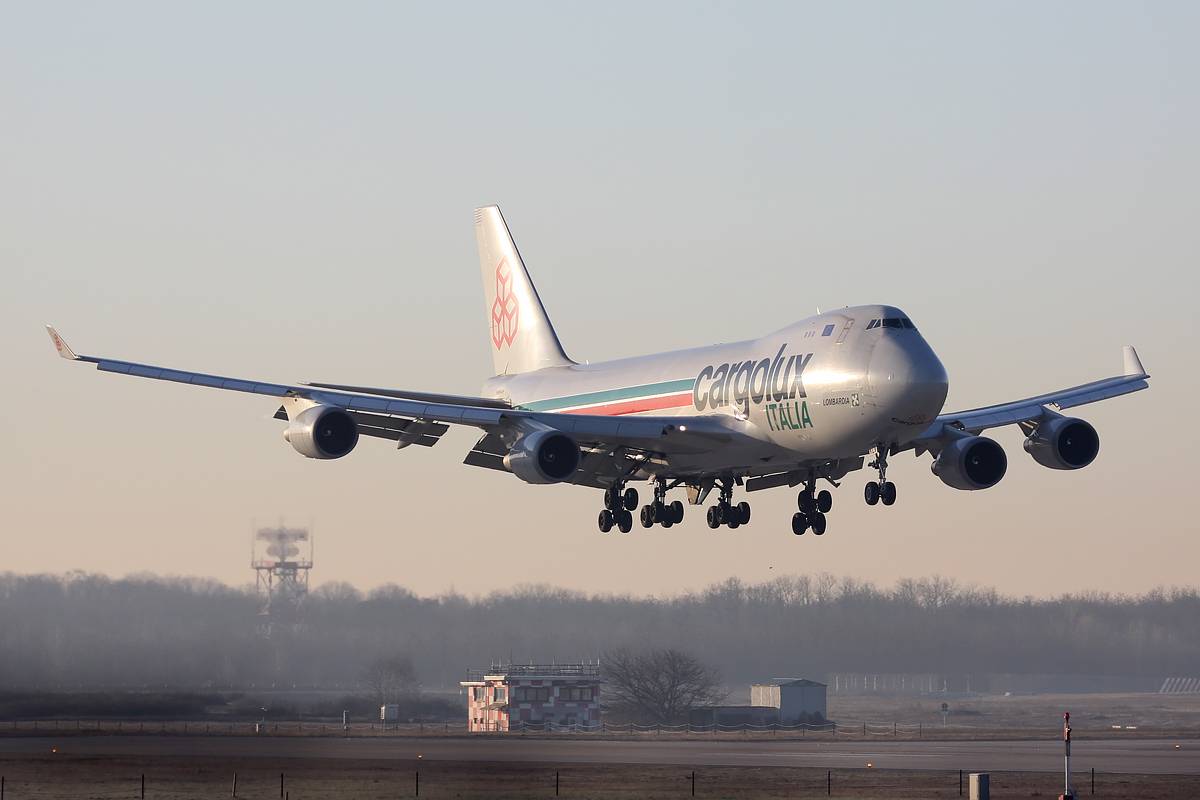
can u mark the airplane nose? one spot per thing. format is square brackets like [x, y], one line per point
[906, 378]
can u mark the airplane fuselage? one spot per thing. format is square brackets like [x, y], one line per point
[829, 386]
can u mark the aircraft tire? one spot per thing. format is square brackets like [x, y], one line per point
[605, 521]
[645, 517]
[824, 501]
[743, 509]
[713, 517]
[818, 523]
[799, 523]
[624, 521]
[631, 499]
[677, 511]
[888, 493]
[668, 522]
[804, 501]
[871, 493]
[611, 498]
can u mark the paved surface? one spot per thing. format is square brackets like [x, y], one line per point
[1106, 756]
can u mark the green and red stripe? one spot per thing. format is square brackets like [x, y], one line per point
[626, 400]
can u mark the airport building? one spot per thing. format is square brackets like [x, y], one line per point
[509, 697]
[785, 702]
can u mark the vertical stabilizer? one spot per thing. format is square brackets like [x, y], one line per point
[521, 336]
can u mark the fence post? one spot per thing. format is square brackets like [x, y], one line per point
[693, 783]
[417, 783]
[960, 783]
[234, 784]
[1093, 780]
[281, 784]
[828, 782]
[143, 786]
[864, 729]
[895, 728]
[556, 783]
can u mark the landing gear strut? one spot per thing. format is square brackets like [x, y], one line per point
[660, 511]
[618, 502]
[883, 489]
[725, 512]
[813, 507]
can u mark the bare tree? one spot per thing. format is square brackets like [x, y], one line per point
[390, 680]
[659, 685]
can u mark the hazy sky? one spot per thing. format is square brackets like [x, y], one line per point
[284, 191]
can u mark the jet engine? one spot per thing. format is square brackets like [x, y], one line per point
[972, 462]
[322, 432]
[543, 457]
[1063, 443]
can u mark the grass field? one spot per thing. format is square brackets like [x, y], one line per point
[175, 779]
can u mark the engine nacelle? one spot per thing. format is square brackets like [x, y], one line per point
[322, 432]
[1063, 443]
[543, 457]
[970, 463]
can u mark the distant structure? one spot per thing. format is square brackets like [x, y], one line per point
[784, 702]
[281, 558]
[797, 700]
[508, 697]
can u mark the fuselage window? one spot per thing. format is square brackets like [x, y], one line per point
[828, 330]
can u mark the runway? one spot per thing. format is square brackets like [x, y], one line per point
[1106, 756]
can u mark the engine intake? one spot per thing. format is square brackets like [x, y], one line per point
[1063, 443]
[322, 432]
[970, 463]
[543, 457]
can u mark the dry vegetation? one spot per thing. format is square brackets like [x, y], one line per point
[176, 779]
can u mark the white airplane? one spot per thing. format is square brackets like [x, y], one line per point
[807, 403]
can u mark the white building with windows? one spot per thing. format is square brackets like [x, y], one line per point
[537, 696]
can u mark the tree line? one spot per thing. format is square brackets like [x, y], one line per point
[79, 631]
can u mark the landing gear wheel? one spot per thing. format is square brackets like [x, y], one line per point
[611, 498]
[713, 517]
[888, 493]
[677, 512]
[732, 518]
[805, 502]
[824, 501]
[631, 498]
[624, 520]
[669, 521]
[644, 517]
[743, 509]
[871, 493]
[605, 521]
[799, 523]
[818, 523]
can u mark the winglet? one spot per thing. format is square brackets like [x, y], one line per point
[61, 346]
[1133, 364]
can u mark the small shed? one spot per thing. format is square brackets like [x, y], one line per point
[799, 700]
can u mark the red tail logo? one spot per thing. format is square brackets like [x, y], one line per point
[506, 311]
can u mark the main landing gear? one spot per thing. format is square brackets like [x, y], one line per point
[660, 511]
[883, 489]
[618, 505]
[726, 513]
[813, 507]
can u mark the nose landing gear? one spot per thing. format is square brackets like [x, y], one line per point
[883, 489]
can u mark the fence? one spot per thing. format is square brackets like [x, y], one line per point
[327, 727]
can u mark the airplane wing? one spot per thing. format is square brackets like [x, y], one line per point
[976, 420]
[422, 418]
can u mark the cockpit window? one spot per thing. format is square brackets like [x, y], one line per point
[903, 323]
